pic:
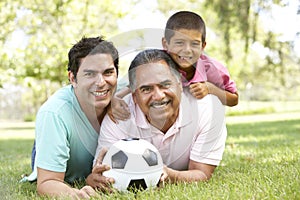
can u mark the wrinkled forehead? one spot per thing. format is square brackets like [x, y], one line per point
[153, 73]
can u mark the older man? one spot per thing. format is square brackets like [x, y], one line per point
[189, 133]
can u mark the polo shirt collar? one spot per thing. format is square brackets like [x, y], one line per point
[199, 76]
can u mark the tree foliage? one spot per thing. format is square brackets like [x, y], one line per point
[50, 28]
[35, 36]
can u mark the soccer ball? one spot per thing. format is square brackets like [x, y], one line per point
[135, 164]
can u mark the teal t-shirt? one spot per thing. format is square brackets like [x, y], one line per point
[65, 139]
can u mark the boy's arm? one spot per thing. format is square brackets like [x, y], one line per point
[119, 109]
[219, 82]
[227, 98]
[123, 92]
[201, 89]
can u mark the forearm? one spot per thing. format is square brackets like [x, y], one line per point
[123, 92]
[227, 98]
[232, 99]
[55, 188]
[175, 176]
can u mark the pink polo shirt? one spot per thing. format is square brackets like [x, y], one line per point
[199, 132]
[211, 70]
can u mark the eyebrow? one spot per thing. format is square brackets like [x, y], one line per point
[183, 39]
[165, 81]
[197, 41]
[91, 70]
[110, 69]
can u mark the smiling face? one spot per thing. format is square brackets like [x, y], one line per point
[185, 47]
[158, 94]
[95, 82]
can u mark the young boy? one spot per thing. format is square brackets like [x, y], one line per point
[185, 40]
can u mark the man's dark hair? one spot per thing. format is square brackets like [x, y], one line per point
[150, 56]
[91, 46]
[185, 20]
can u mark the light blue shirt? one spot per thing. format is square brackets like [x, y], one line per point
[65, 139]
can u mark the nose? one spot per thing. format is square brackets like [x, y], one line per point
[158, 93]
[187, 47]
[100, 80]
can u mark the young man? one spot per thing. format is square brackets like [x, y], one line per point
[189, 133]
[67, 124]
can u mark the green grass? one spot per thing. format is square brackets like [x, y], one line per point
[262, 107]
[261, 161]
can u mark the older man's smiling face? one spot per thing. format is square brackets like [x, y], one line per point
[158, 94]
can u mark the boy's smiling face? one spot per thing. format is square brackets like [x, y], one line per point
[185, 47]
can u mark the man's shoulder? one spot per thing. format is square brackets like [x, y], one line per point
[208, 100]
[187, 94]
[62, 98]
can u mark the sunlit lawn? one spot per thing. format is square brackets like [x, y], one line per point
[261, 161]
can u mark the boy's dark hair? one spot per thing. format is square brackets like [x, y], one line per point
[185, 20]
[91, 46]
[150, 56]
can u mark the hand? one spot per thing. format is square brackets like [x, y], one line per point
[96, 179]
[164, 177]
[86, 192]
[199, 90]
[119, 110]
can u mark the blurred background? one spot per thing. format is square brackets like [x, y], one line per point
[258, 40]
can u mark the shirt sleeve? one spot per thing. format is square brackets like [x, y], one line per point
[209, 145]
[52, 145]
[218, 74]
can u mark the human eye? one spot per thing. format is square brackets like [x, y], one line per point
[178, 42]
[109, 72]
[146, 89]
[166, 85]
[89, 74]
[196, 44]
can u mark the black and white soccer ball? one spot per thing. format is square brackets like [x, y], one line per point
[135, 164]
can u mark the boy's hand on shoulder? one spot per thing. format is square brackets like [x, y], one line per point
[199, 90]
[119, 110]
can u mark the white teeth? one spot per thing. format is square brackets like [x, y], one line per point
[100, 93]
[185, 58]
[160, 104]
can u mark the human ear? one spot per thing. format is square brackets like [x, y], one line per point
[72, 79]
[164, 43]
[203, 45]
[134, 97]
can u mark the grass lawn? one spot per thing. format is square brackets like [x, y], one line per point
[261, 161]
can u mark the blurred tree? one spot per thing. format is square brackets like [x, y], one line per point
[49, 28]
[35, 37]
